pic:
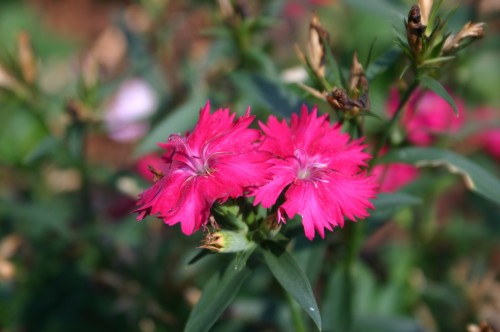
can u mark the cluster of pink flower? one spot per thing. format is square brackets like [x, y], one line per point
[319, 171]
[425, 117]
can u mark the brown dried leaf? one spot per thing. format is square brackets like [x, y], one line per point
[315, 46]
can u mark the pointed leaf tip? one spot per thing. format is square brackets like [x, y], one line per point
[291, 277]
[432, 84]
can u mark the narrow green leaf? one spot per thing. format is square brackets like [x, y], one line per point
[475, 177]
[288, 273]
[437, 60]
[403, 72]
[45, 147]
[390, 10]
[435, 86]
[383, 62]
[391, 200]
[386, 204]
[387, 323]
[218, 293]
[178, 121]
[267, 92]
[333, 67]
[370, 53]
[371, 114]
[199, 255]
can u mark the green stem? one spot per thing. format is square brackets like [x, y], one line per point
[354, 234]
[392, 123]
[79, 132]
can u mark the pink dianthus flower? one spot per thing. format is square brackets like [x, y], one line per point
[320, 171]
[489, 137]
[217, 160]
[393, 176]
[427, 115]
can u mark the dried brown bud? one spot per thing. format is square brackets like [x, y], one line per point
[316, 47]
[138, 19]
[6, 80]
[339, 100]
[469, 31]
[226, 9]
[415, 30]
[9, 245]
[109, 49]
[90, 71]
[26, 57]
[425, 11]
[483, 327]
[271, 225]
[357, 80]
[78, 112]
[7, 270]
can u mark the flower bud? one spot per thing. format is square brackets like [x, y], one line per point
[469, 31]
[315, 46]
[357, 81]
[425, 11]
[6, 80]
[271, 225]
[26, 57]
[226, 9]
[340, 100]
[227, 241]
[7, 270]
[415, 30]
[9, 245]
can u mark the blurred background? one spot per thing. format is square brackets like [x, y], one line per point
[87, 89]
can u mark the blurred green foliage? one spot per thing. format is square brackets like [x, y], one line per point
[72, 257]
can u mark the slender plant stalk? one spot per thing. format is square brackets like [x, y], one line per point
[376, 154]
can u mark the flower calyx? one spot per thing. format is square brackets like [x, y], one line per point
[225, 241]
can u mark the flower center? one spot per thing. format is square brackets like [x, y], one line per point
[308, 168]
[199, 165]
[190, 161]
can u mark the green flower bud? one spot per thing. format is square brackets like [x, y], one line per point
[271, 226]
[227, 241]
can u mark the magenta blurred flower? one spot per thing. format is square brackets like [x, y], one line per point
[391, 177]
[126, 113]
[427, 115]
[148, 164]
[217, 160]
[320, 171]
[489, 138]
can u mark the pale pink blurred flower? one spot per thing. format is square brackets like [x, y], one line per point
[125, 115]
[318, 169]
[427, 115]
[296, 9]
[216, 161]
[392, 177]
